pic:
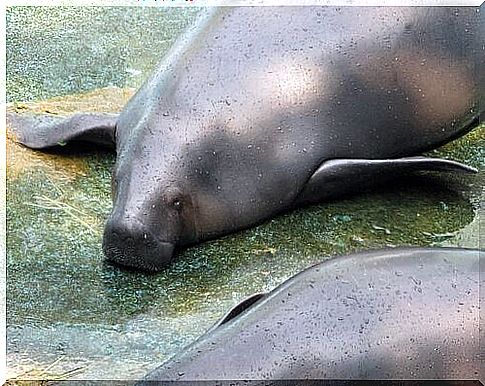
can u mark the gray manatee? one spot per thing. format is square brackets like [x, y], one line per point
[381, 315]
[257, 110]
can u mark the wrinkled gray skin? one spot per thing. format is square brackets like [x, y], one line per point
[258, 110]
[391, 314]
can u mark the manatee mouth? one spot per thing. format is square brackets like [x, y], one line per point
[139, 250]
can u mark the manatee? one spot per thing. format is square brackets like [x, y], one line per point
[410, 313]
[258, 110]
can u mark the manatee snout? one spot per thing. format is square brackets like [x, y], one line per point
[129, 243]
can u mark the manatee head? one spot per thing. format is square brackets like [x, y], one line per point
[153, 210]
[146, 225]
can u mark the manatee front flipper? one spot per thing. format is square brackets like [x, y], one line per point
[238, 309]
[43, 131]
[342, 176]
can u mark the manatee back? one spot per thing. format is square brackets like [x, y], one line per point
[396, 314]
[340, 82]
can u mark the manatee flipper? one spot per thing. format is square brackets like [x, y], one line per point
[43, 131]
[239, 308]
[341, 176]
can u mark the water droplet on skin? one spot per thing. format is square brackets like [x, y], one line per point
[416, 281]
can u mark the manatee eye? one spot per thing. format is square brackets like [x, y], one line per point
[174, 198]
[177, 204]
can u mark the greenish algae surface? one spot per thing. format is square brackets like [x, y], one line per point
[63, 50]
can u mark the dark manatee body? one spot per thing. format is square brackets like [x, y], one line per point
[391, 314]
[256, 110]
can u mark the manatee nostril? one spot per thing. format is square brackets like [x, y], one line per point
[129, 243]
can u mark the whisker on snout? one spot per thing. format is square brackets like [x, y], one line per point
[129, 244]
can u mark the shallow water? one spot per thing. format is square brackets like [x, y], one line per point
[65, 304]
